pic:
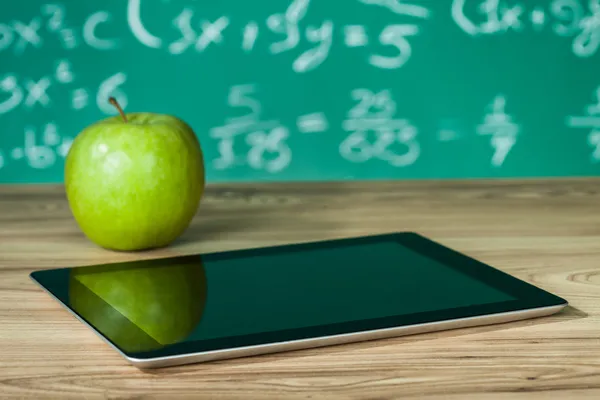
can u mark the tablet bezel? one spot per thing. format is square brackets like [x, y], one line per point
[527, 296]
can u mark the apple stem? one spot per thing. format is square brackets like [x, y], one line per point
[115, 103]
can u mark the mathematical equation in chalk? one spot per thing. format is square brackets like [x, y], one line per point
[373, 131]
[30, 93]
[566, 18]
[41, 148]
[372, 127]
[285, 31]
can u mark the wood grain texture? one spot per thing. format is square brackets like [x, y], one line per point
[544, 231]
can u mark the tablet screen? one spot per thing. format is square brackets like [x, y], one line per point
[222, 299]
[324, 286]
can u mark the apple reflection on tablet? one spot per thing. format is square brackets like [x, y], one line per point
[140, 306]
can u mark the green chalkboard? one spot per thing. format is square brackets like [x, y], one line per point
[312, 89]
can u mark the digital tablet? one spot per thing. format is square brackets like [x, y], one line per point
[202, 307]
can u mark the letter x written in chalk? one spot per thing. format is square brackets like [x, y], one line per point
[212, 33]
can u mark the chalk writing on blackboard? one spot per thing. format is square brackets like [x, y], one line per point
[64, 72]
[112, 86]
[501, 127]
[375, 112]
[28, 91]
[41, 153]
[89, 32]
[9, 85]
[355, 36]
[447, 135]
[56, 16]
[401, 7]
[449, 130]
[568, 18]
[250, 36]
[79, 99]
[590, 120]
[266, 139]
[584, 27]
[538, 18]
[491, 18]
[31, 93]
[196, 34]
[44, 145]
[373, 130]
[312, 123]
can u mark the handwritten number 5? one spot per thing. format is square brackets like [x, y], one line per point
[395, 36]
[239, 96]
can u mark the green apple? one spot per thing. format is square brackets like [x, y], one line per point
[140, 307]
[135, 181]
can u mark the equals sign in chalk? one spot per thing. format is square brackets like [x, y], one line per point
[312, 123]
[587, 121]
[448, 135]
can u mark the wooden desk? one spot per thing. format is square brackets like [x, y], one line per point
[546, 232]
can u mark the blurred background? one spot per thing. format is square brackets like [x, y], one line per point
[312, 89]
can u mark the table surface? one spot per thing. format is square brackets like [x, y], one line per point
[544, 231]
